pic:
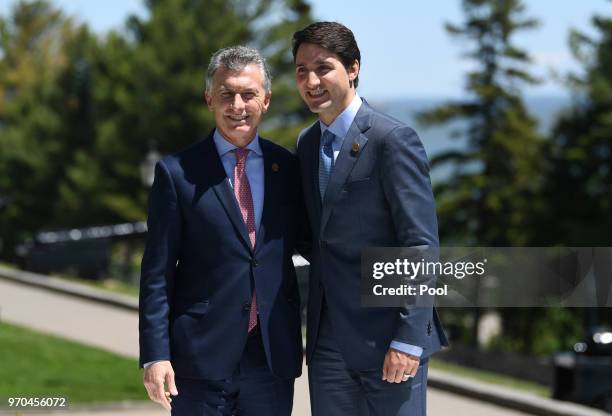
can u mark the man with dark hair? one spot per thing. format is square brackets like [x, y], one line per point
[219, 301]
[366, 183]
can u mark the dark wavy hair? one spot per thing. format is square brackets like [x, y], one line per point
[332, 36]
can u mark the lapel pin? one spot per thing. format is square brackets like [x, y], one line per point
[275, 167]
[355, 148]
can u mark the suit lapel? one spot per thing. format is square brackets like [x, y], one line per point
[223, 189]
[345, 161]
[271, 190]
[310, 169]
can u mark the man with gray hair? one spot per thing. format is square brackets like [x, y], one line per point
[219, 301]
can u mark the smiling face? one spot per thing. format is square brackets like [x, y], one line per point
[324, 83]
[238, 100]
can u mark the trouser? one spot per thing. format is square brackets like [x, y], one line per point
[336, 390]
[251, 391]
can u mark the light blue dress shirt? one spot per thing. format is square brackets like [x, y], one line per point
[254, 169]
[340, 127]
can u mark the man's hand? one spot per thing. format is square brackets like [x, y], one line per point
[155, 376]
[399, 366]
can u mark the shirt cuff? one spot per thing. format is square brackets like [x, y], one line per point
[407, 348]
[145, 365]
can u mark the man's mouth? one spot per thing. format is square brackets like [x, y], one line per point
[236, 118]
[316, 93]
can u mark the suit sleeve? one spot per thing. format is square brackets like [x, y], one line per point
[158, 267]
[304, 238]
[408, 191]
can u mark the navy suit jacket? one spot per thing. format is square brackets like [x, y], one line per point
[377, 196]
[199, 267]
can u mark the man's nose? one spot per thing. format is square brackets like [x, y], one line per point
[238, 103]
[312, 80]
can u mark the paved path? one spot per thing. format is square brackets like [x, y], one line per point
[117, 330]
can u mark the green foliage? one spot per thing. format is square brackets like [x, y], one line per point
[540, 331]
[43, 118]
[578, 186]
[79, 112]
[492, 196]
[287, 115]
[580, 158]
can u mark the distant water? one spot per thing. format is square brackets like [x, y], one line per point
[439, 138]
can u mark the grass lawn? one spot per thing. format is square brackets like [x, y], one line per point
[111, 285]
[34, 364]
[490, 378]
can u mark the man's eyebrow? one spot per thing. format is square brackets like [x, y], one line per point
[223, 88]
[317, 62]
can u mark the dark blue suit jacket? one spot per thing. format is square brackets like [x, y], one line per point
[199, 267]
[379, 196]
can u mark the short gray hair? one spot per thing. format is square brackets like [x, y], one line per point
[235, 58]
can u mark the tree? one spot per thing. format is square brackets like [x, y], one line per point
[37, 116]
[492, 197]
[287, 115]
[580, 153]
[580, 157]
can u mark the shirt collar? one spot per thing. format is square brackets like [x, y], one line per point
[340, 126]
[224, 146]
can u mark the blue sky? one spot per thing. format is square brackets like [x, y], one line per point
[405, 50]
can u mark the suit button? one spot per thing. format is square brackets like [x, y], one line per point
[246, 307]
[254, 262]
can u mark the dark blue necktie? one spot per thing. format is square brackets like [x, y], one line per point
[326, 160]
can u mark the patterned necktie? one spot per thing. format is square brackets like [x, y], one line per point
[326, 160]
[242, 191]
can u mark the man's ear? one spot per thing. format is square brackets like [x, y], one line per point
[266, 102]
[353, 71]
[208, 99]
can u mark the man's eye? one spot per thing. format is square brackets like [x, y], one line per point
[248, 95]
